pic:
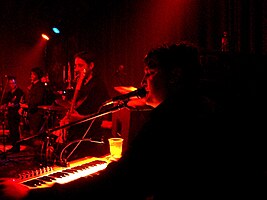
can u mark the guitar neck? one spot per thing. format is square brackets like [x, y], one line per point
[74, 99]
[76, 92]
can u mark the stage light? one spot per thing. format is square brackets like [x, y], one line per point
[45, 36]
[56, 30]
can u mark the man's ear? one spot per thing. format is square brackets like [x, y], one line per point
[175, 75]
[91, 65]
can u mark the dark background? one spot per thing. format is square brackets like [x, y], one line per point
[122, 31]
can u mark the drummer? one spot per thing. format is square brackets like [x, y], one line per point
[35, 97]
[38, 95]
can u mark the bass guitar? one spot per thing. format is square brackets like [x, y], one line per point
[63, 135]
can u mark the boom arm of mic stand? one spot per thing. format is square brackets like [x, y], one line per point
[90, 117]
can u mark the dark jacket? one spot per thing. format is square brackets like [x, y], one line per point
[36, 97]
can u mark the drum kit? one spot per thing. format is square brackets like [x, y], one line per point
[53, 114]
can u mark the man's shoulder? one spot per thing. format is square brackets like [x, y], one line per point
[99, 81]
[19, 90]
[40, 85]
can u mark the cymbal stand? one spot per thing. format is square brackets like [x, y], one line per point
[46, 149]
[4, 138]
[3, 153]
[3, 119]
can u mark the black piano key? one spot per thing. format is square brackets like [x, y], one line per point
[88, 165]
[59, 174]
[34, 183]
[47, 178]
[69, 171]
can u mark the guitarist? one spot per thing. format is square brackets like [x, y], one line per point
[11, 103]
[90, 93]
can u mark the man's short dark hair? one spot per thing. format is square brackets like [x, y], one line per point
[179, 60]
[11, 78]
[87, 56]
[38, 71]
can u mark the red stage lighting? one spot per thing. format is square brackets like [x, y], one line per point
[45, 36]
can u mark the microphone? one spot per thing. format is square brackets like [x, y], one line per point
[139, 93]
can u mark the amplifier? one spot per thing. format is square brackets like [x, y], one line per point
[126, 123]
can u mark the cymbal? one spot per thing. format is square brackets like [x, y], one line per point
[52, 108]
[23, 105]
[125, 89]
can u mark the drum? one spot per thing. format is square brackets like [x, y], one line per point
[54, 113]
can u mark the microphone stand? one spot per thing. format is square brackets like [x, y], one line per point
[3, 92]
[85, 119]
[3, 120]
[4, 137]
